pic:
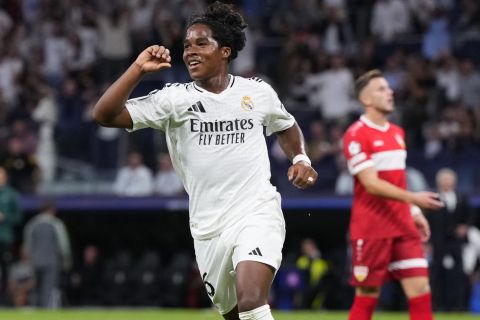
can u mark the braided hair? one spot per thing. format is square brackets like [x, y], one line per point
[226, 24]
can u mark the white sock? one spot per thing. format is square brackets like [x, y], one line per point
[261, 313]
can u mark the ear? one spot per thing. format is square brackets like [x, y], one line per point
[226, 52]
[365, 99]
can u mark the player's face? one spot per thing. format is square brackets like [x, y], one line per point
[380, 95]
[202, 54]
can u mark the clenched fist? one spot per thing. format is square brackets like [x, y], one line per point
[154, 58]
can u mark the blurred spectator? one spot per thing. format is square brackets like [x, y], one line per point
[47, 244]
[103, 143]
[449, 227]
[23, 129]
[166, 181]
[21, 281]
[319, 146]
[468, 23]
[390, 18]
[141, 22]
[469, 83]
[115, 43]
[395, 73]
[21, 165]
[45, 115]
[72, 129]
[437, 40]
[365, 58]
[323, 147]
[447, 78]
[55, 54]
[420, 83]
[337, 35]
[134, 179]
[331, 90]
[11, 66]
[421, 12]
[314, 268]
[6, 23]
[10, 217]
[86, 280]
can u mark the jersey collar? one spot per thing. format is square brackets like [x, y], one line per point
[372, 125]
[230, 84]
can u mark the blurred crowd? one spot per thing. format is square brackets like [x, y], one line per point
[57, 56]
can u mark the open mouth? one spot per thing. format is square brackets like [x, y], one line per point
[193, 63]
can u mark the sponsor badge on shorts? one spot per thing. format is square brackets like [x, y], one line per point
[360, 272]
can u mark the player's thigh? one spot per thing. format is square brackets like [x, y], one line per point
[254, 280]
[258, 255]
[408, 258]
[370, 260]
[415, 286]
[260, 239]
[214, 259]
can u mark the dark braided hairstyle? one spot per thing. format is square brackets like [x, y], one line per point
[226, 24]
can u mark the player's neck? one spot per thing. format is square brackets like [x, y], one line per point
[377, 118]
[215, 84]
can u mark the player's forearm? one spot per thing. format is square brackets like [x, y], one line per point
[382, 188]
[112, 102]
[291, 141]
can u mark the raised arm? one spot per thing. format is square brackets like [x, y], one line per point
[301, 173]
[110, 109]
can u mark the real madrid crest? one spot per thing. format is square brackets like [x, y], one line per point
[247, 103]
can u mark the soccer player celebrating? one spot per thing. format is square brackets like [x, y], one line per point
[214, 128]
[385, 216]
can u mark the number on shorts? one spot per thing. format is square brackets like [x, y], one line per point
[208, 286]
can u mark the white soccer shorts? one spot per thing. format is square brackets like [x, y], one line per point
[259, 237]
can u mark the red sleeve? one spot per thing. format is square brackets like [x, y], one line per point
[356, 151]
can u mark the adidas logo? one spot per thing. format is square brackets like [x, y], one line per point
[197, 107]
[255, 252]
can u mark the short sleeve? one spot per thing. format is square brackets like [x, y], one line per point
[278, 118]
[151, 111]
[356, 151]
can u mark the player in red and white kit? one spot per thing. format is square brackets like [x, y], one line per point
[386, 227]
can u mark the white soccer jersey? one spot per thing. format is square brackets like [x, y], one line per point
[217, 146]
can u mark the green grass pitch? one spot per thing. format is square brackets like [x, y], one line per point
[159, 314]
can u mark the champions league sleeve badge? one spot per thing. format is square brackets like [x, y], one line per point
[354, 148]
[247, 103]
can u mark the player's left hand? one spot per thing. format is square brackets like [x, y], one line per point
[302, 175]
[422, 226]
